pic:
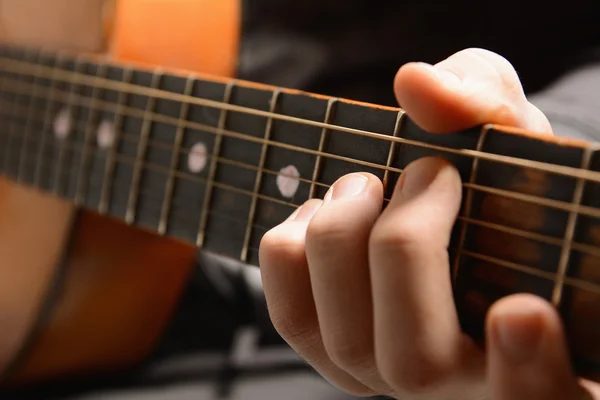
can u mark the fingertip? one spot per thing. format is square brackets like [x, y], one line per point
[308, 210]
[286, 241]
[470, 88]
[430, 171]
[432, 97]
[527, 350]
[515, 326]
[355, 183]
[522, 306]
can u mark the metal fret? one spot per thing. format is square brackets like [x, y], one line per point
[565, 252]
[259, 175]
[322, 142]
[39, 166]
[85, 157]
[111, 158]
[390, 158]
[213, 166]
[468, 201]
[175, 156]
[63, 146]
[141, 153]
[28, 121]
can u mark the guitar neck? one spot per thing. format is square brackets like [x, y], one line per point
[218, 163]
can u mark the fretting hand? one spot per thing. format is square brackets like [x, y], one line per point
[365, 297]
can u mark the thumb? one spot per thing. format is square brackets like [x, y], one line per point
[528, 357]
[471, 87]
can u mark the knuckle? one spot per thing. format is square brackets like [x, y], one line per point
[296, 330]
[324, 231]
[388, 235]
[351, 355]
[278, 247]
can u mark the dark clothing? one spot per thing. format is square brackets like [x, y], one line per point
[352, 49]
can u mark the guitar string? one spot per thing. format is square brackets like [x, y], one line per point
[591, 211]
[589, 249]
[581, 247]
[20, 68]
[584, 284]
[575, 282]
[96, 183]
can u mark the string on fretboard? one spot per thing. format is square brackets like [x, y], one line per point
[215, 163]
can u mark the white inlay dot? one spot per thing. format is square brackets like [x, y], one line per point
[105, 134]
[62, 124]
[197, 158]
[287, 181]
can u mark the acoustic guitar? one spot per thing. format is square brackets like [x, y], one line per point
[115, 170]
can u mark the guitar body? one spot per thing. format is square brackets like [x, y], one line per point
[81, 293]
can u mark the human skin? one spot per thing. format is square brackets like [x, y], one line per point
[365, 296]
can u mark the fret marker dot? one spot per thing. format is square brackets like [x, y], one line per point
[287, 181]
[197, 158]
[105, 134]
[62, 124]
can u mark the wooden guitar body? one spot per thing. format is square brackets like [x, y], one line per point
[95, 295]
[82, 293]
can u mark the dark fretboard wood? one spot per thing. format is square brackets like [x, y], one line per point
[520, 228]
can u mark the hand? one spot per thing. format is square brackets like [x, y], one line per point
[365, 296]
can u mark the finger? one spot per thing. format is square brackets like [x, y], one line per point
[337, 253]
[288, 293]
[528, 357]
[418, 338]
[471, 87]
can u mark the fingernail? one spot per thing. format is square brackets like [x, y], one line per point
[519, 333]
[348, 186]
[307, 210]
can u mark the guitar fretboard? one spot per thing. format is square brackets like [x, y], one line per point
[218, 163]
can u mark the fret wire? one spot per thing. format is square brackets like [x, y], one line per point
[558, 242]
[175, 157]
[141, 154]
[533, 199]
[85, 156]
[69, 113]
[242, 136]
[390, 159]
[575, 282]
[322, 143]
[468, 203]
[514, 161]
[537, 200]
[26, 129]
[259, 175]
[46, 120]
[213, 167]
[579, 283]
[168, 146]
[109, 167]
[556, 204]
[584, 248]
[565, 252]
